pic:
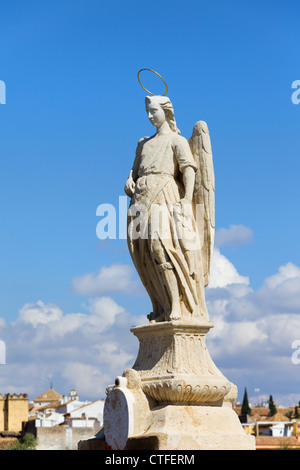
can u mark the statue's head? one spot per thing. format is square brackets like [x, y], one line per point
[160, 109]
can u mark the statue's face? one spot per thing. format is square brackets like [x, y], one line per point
[155, 113]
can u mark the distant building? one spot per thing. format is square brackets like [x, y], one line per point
[88, 416]
[270, 428]
[60, 421]
[73, 395]
[13, 412]
[47, 398]
[52, 409]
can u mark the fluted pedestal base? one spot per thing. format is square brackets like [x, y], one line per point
[175, 366]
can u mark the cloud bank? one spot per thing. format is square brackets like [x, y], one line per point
[109, 279]
[233, 236]
[251, 342]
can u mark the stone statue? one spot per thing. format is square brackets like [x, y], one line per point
[174, 397]
[173, 177]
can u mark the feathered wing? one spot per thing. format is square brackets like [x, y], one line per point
[204, 193]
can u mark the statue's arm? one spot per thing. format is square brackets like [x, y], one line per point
[129, 185]
[187, 166]
[133, 175]
[188, 174]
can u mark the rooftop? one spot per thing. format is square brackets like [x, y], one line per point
[47, 397]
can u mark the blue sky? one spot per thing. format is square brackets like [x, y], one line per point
[74, 112]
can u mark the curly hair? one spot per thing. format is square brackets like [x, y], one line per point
[166, 105]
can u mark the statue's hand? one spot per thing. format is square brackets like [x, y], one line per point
[185, 200]
[186, 208]
[130, 186]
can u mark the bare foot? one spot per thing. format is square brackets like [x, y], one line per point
[175, 315]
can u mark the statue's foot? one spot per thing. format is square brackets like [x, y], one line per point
[156, 317]
[159, 318]
[175, 315]
[150, 316]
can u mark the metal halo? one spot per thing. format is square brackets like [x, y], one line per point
[153, 94]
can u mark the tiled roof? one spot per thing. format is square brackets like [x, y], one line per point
[265, 442]
[48, 396]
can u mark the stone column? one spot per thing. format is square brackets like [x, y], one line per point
[174, 397]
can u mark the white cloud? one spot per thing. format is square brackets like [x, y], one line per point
[233, 236]
[255, 329]
[111, 279]
[251, 342]
[86, 350]
[287, 272]
[282, 329]
[279, 294]
[230, 338]
[86, 378]
[39, 313]
[2, 324]
[104, 311]
[223, 272]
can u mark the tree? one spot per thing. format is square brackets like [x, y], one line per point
[27, 442]
[296, 413]
[246, 410]
[272, 407]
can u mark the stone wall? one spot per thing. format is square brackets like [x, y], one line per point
[271, 442]
[13, 411]
[62, 437]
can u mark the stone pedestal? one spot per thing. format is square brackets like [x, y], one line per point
[192, 427]
[174, 397]
[175, 366]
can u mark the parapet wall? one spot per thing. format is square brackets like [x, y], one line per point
[8, 396]
[62, 437]
[13, 411]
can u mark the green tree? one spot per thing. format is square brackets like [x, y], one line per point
[272, 407]
[289, 414]
[27, 442]
[246, 410]
[296, 413]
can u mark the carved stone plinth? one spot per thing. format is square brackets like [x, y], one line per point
[175, 366]
[174, 397]
[193, 427]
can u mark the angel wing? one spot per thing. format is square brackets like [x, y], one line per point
[204, 192]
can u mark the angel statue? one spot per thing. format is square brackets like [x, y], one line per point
[174, 177]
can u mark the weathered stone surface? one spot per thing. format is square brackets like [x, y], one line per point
[126, 410]
[174, 397]
[172, 177]
[174, 363]
[193, 428]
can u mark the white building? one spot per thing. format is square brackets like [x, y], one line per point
[285, 428]
[52, 409]
[89, 415]
[271, 428]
